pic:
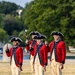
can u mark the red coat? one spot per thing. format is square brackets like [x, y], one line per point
[60, 52]
[43, 54]
[47, 47]
[18, 54]
[28, 47]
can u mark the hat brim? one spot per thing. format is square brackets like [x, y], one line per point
[55, 33]
[39, 37]
[34, 33]
[14, 39]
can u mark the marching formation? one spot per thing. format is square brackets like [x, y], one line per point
[38, 53]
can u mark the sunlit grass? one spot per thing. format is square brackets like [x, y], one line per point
[69, 69]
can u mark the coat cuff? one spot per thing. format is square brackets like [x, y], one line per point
[7, 51]
[45, 64]
[20, 64]
[63, 62]
[30, 49]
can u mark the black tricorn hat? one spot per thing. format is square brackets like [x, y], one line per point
[40, 36]
[15, 39]
[57, 33]
[34, 33]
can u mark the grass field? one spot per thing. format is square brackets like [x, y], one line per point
[69, 69]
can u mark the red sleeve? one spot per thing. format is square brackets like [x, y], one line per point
[48, 49]
[27, 46]
[8, 52]
[63, 47]
[45, 55]
[20, 56]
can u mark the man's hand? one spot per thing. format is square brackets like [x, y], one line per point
[27, 41]
[20, 68]
[62, 66]
[7, 48]
[44, 68]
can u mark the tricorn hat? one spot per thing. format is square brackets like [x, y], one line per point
[40, 36]
[57, 33]
[15, 39]
[34, 33]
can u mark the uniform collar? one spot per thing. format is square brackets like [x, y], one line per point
[57, 40]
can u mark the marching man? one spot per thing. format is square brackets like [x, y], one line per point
[16, 56]
[30, 47]
[40, 56]
[58, 53]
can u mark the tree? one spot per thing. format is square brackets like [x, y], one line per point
[8, 7]
[2, 20]
[3, 35]
[12, 24]
[22, 35]
[46, 16]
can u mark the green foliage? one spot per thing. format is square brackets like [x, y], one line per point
[22, 35]
[3, 35]
[10, 20]
[46, 16]
[8, 7]
[12, 24]
[2, 20]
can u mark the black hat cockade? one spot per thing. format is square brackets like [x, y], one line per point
[15, 39]
[57, 33]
